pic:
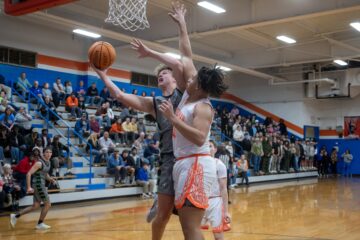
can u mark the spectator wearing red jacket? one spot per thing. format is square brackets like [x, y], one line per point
[22, 168]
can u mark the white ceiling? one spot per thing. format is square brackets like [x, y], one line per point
[243, 38]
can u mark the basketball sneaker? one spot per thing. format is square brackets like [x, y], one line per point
[153, 210]
[13, 220]
[42, 226]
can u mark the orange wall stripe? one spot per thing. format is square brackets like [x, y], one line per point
[261, 111]
[328, 133]
[79, 66]
[63, 63]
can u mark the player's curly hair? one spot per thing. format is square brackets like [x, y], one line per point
[211, 80]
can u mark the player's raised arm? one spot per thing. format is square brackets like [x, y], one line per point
[175, 64]
[178, 15]
[144, 104]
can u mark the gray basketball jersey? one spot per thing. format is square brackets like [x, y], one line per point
[164, 126]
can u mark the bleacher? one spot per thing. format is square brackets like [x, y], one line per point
[86, 184]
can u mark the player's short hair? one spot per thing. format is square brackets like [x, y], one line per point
[160, 68]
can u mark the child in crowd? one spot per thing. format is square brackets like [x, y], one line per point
[142, 179]
[242, 166]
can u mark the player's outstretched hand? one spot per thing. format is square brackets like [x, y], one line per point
[178, 12]
[98, 71]
[140, 47]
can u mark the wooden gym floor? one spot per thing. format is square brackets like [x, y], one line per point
[306, 210]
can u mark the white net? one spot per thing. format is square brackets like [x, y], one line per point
[129, 14]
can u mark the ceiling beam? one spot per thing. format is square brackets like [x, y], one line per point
[70, 24]
[266, 23]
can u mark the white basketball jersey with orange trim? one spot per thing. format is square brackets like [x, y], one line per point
[221, 172]
[182, 146]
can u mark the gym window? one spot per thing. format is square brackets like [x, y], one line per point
[17, 57]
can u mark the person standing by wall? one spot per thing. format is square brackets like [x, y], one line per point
[348, 157]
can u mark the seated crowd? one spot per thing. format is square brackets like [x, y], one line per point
[267, 148]
[104, 134]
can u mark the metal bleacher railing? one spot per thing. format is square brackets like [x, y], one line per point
[70, 130]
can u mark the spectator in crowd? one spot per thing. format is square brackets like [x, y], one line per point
[324, 164]
[46, 91]
[134, 127]
[58, 157]
[129, 165]
[58, 93]
[142, 179]
[286, 157]
[141, 126]
[134, 91]
[143, 94]
[38, 144]
[30, 139]
[95, 148]
[152, 153]
[275, 149]
[246, 145]
[92, 96]
[257, 152]
[17, 145]
[81, 90]
[234, 112]
[10, 187]
[129, 134]
[348, 157]
[106, 144]
[4, 105]
[140, 145]
[238, 136]
[82, 127]
[7, 119]
[45, 139]
[4, 87]
[72, 106]
[297, 155]
[105, 96]
[22, 85]
[4, 142]
[2, 95]
[23, 121]
[101, 115]
[110, 115]
[333, 161]
[116, 165]
[2, 193]
[94, 125]
[68, 89]
[283, 128]
[124, 113]
[22, 168]
[267, 149]
[36, 96]
[152, 94]
[116, 132]
[242, 165]
[48, 110]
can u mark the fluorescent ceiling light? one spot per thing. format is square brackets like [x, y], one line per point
[86, 33]
[286, 39]
[340, 62]
[356, 25]
[174, 55]
[211, 7]
[226, 69]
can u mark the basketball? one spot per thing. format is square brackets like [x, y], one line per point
[102, 55]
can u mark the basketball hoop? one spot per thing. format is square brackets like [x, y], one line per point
[129, 14]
